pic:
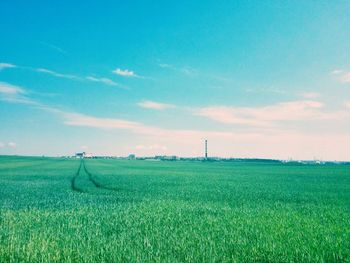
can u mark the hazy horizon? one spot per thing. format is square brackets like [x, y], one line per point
[257, 79]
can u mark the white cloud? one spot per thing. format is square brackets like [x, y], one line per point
[20, 100]
[77, 119]
[6, 65]
[337, 71]
[9, 144]
[7, 88]
[341, 75]
[189, 71]
[124, 72]
[102, 80]
[12, 144]
[155, 105]
[14, 94]
[310, 95]
[164, 65]
[345, 78]
[105, 81]
[268, 116]
[56, 74]
[347, 104]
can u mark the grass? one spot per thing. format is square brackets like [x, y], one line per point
[142, 211]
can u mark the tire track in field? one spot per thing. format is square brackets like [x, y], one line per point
[96, 183]
[73, 180]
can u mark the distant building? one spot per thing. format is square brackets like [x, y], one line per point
[80, 155]
[83, 155]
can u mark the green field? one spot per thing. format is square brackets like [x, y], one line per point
[60, 210]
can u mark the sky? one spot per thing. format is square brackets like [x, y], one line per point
[257, 79]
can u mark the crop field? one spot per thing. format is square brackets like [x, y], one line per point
[67, 210]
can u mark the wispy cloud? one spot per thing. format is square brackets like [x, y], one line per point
[346, 78]
[294, 111]
[15, 94]
[189, 71]
[82, 120]
[336, 71]
[12, 144]
[77, 119]
[6, 65]
[310, 95]
[155, 105]
[9, 144]
[273, 119]
[103, 80]
[53, 47]
[7, 88]
[218, 77]
[56, 74]
[341, 75]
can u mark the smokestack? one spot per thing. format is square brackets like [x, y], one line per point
[206, 149]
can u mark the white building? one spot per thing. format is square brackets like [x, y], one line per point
[83, 155]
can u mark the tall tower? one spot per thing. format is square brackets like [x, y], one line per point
[206, 149]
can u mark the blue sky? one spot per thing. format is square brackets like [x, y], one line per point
[266, 79]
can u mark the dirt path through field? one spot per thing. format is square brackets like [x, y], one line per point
[95, 182]
[73, 181]
[80, 172]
